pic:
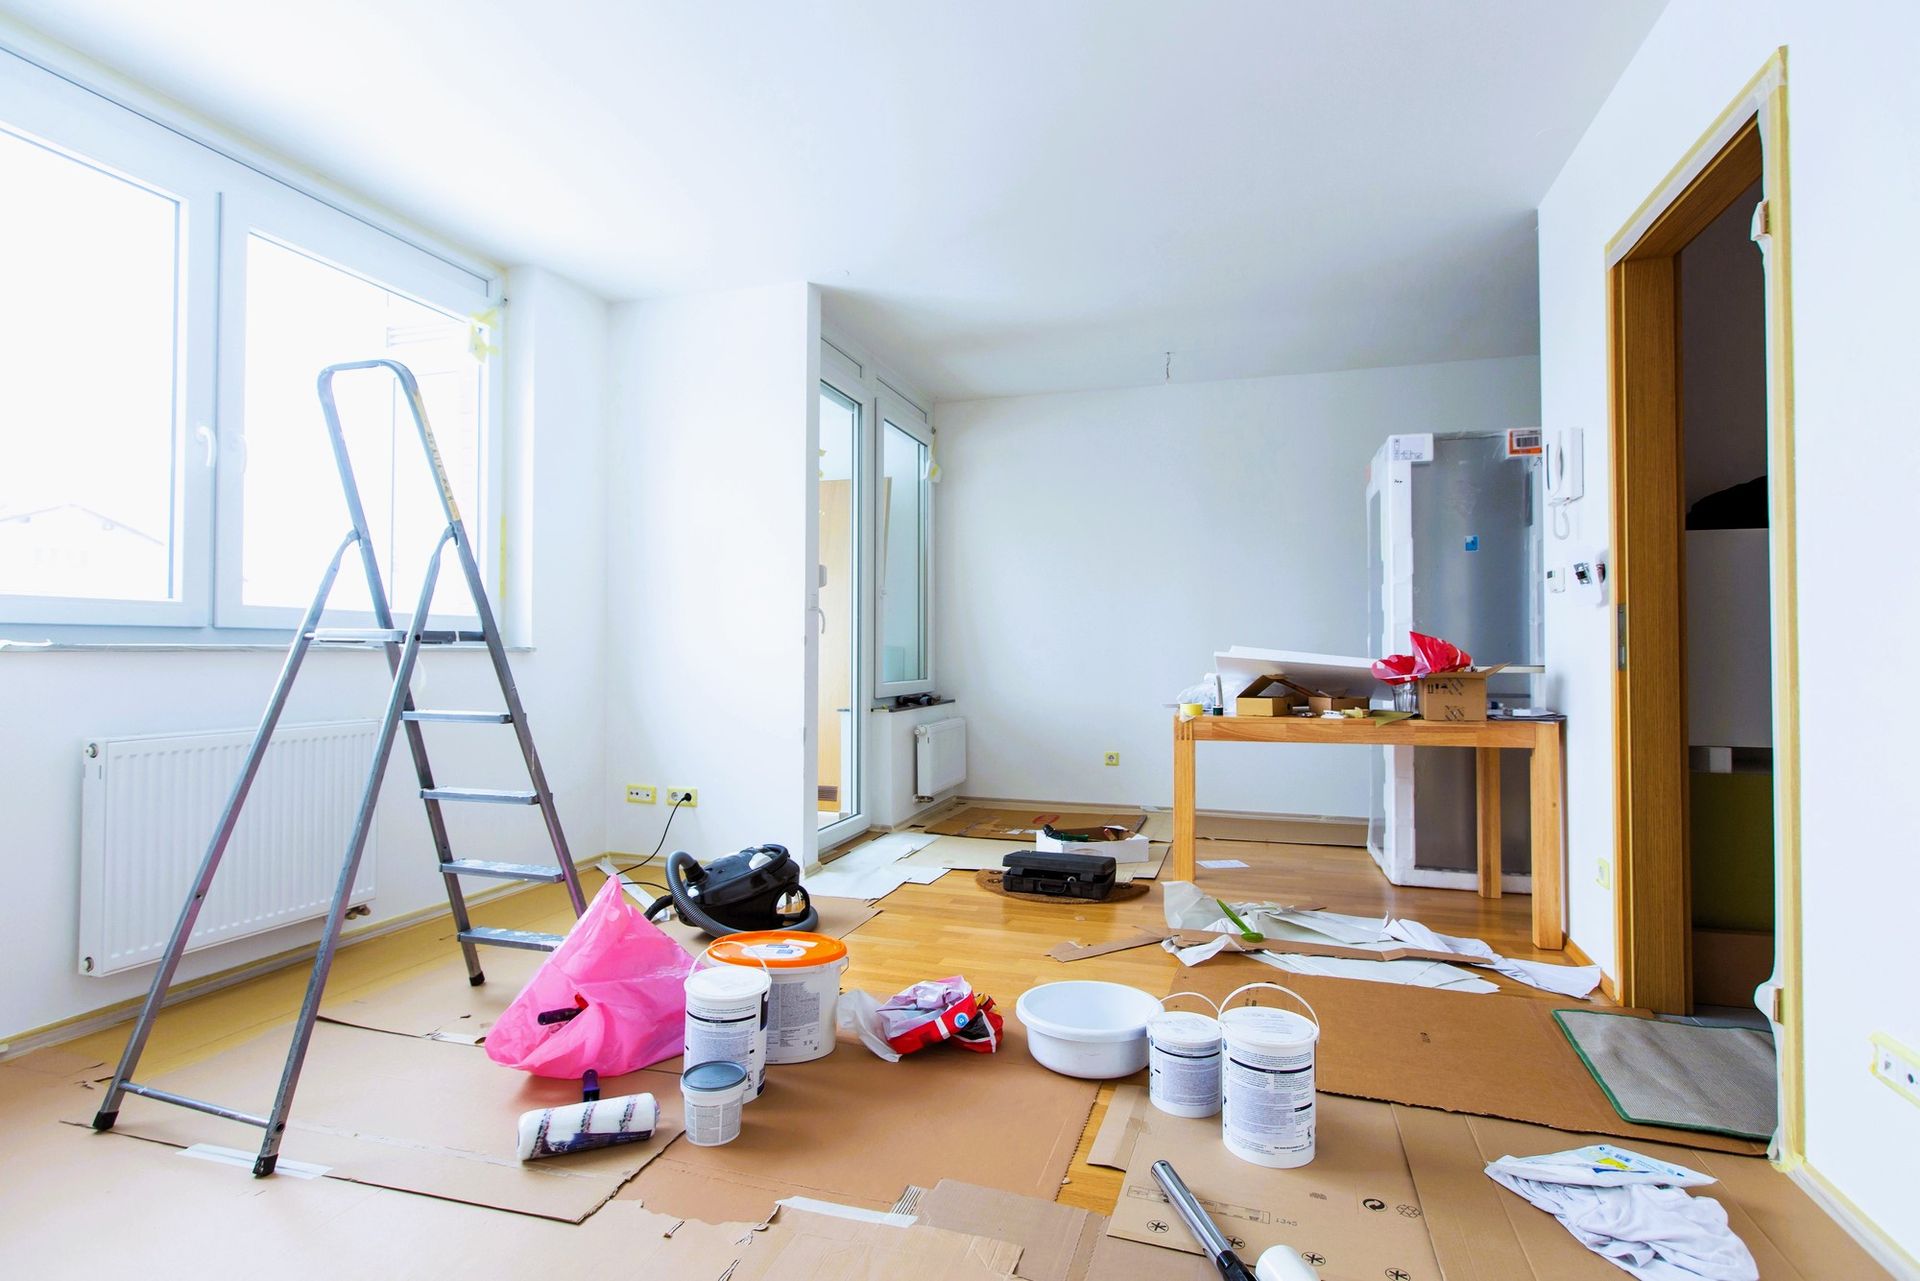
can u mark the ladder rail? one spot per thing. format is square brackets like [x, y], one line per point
[390, 722]
[383, 613]
[476, 588]
[217, 844]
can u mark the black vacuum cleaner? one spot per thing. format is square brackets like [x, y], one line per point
[755, 889]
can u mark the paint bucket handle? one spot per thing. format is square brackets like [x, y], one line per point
[706, 958]
[1276, 987]
[1196, 996]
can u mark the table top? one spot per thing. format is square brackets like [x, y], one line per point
[1412, 732]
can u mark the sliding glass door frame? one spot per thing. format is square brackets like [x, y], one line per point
[841, 377]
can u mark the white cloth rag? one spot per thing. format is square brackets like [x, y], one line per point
[1633, 1211]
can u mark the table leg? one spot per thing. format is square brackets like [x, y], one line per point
[1547, 774]
[1182, 859]
[1486, 762]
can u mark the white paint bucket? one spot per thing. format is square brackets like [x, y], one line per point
[712, 1095]
[1184, 1060]
[805, 970]
[1267, 1115]
[727, 1020]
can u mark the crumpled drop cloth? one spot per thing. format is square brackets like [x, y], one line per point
[1633, 1211]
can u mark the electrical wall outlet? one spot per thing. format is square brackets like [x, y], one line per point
[1897, 1066]
[1603, 873]
[638, 795]
[687, 796]
[1113, 758]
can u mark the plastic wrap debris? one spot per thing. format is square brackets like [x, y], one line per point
[1187, 908]
[925, 1014]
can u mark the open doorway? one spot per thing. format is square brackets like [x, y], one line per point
[1728, 607]
[1706, 689]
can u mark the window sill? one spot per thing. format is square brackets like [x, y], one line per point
[204, 647]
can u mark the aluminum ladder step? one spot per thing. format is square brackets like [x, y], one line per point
[198, 1105]
[528, 939]
[470, 718]
[546, 873]
[390, 636]
[482, 795]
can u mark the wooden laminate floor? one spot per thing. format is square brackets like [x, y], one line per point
[924, 931]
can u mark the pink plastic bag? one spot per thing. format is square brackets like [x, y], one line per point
[627, 980]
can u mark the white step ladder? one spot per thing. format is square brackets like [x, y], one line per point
[402, 645]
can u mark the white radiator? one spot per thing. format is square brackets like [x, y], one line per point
[149, 806]
[939, 756]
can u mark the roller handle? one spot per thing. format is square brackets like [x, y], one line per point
[1218, 1248]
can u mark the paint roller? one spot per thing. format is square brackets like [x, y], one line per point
[592, 1123]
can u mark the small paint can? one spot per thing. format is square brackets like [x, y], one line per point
[1267, 1113]
[727, 1020]
[805, 970]
[712, 1095]
[1184, 1061]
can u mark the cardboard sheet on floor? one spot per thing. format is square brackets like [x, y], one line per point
[1057, 1242]
[1280, 829]
[1483, 1232]
[102, 1205]
[438, 1002]
[1021, 824]
[409, 1113]
[1354, 1206]
[1490, 1054]
[856, 1129]
[874, 869]
[827, 1247]
[979, 854]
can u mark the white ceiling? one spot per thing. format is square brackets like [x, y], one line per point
[1005, 196]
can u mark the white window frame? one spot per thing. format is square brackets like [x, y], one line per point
[67, 120]
[224, 191]
[895, 409]
[357, 249]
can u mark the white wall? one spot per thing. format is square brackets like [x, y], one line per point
[54, 702]
[1096, 548]
[711, 486]
[1852, 101]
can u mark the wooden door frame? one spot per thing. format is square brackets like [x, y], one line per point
[1653, 925]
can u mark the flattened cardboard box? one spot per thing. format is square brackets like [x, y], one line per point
[1353, 1212]
[404, 1112]
[826, 1247]
[855, 1129]
[1057, 1242]
[1492, 1054]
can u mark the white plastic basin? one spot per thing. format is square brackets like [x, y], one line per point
[1093, 1030]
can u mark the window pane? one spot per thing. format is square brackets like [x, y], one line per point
[303, 315]
[903, 609]
[87, 360]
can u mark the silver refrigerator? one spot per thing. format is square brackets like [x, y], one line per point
[1454, 550]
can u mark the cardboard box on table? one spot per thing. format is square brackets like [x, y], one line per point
[1456, 696]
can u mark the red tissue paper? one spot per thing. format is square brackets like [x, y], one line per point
[1431, 656]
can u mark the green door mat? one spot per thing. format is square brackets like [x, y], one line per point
[1717, 1079]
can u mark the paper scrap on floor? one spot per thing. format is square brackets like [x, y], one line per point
[1632, 1211]
[1217, 864]
[874, 870]
[1188, 907]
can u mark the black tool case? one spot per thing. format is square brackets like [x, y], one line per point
[1087, 876]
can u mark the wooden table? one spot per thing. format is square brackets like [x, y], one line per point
[1487, 738]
